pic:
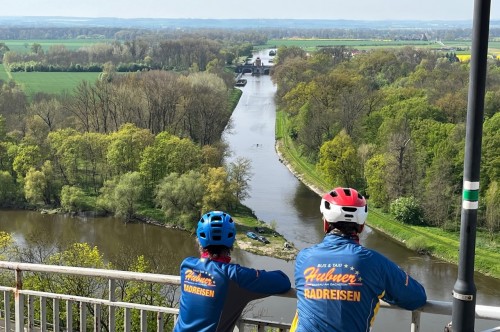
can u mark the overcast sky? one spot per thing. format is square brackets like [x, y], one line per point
[286, 9]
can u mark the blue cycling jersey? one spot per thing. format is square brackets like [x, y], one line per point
[339, 284]
[213, 294]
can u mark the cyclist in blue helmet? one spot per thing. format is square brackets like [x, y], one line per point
[214, 291]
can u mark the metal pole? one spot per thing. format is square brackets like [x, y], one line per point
[464, 290]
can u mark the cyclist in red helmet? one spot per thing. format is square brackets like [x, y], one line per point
[214, 292]
[339, 282]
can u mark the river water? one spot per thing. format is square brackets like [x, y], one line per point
[276, 196]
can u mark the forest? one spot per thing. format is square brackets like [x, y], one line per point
[388, 121]
[142, 141]
[392, 123]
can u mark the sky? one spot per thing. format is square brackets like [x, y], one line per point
[265, 9]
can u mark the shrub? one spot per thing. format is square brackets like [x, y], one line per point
[73, 199]
[420, 245]
[407, 210]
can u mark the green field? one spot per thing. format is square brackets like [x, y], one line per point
[21, 46]
[54, 83]
[366, 44]
[3, 74]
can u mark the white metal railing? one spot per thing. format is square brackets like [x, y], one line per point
[31, 312]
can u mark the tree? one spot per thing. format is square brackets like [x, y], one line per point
[80, 255]
[8, 189]
[352, 97]
[180, 197]
[65, 148]
[6, 245]
[339, 162]
[490, 159]
[149, 294]
[218, 194]
[34, 187]
[168, 154]
[3, 49]
[492, 202]
[36, 48]
[376, 173]
[239, 172]
[49, 111]
[127, 195]
[93, 164]
[73, 199]
[125, 148]
[206, 110]
[27, 157]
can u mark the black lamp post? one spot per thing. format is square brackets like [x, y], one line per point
[464, 290]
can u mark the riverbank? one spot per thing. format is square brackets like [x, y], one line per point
[246, 221]
[426, 240]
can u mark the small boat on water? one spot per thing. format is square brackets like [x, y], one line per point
[241, 82]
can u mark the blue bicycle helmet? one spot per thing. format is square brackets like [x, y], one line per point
[216, 228]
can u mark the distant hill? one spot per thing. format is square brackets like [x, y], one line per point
[165, 23]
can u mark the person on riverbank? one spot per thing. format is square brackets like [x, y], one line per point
[214, 292]
[339, 282]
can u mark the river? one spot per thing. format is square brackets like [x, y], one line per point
[276, 196]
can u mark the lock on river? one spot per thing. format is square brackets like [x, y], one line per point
[276, 196]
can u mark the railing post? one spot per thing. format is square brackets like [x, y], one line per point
[55, 314]
[126, 320]
[43, 314]
[415, 321]
[19, 302]
[159, 324]
[69, 315]
[83, 317]
[112, 298]
[31, 313]
[6, 299]
[97, 317]
[144, 321]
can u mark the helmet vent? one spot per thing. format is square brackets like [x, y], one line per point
[349, 216]
[216, 237]
[203, 235]
[349, 209]
[327, 205]
[230, 235]
[333, 193]
[347, 191]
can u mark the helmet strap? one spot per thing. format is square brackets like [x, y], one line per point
[216, 258]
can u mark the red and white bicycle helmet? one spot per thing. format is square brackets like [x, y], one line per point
[344, 204]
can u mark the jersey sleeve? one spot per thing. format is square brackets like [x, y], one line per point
[261, 281]
[401, 289]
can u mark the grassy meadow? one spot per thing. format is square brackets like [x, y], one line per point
[49, 82]
[4, 76]
[23, 46]
[463, 46]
